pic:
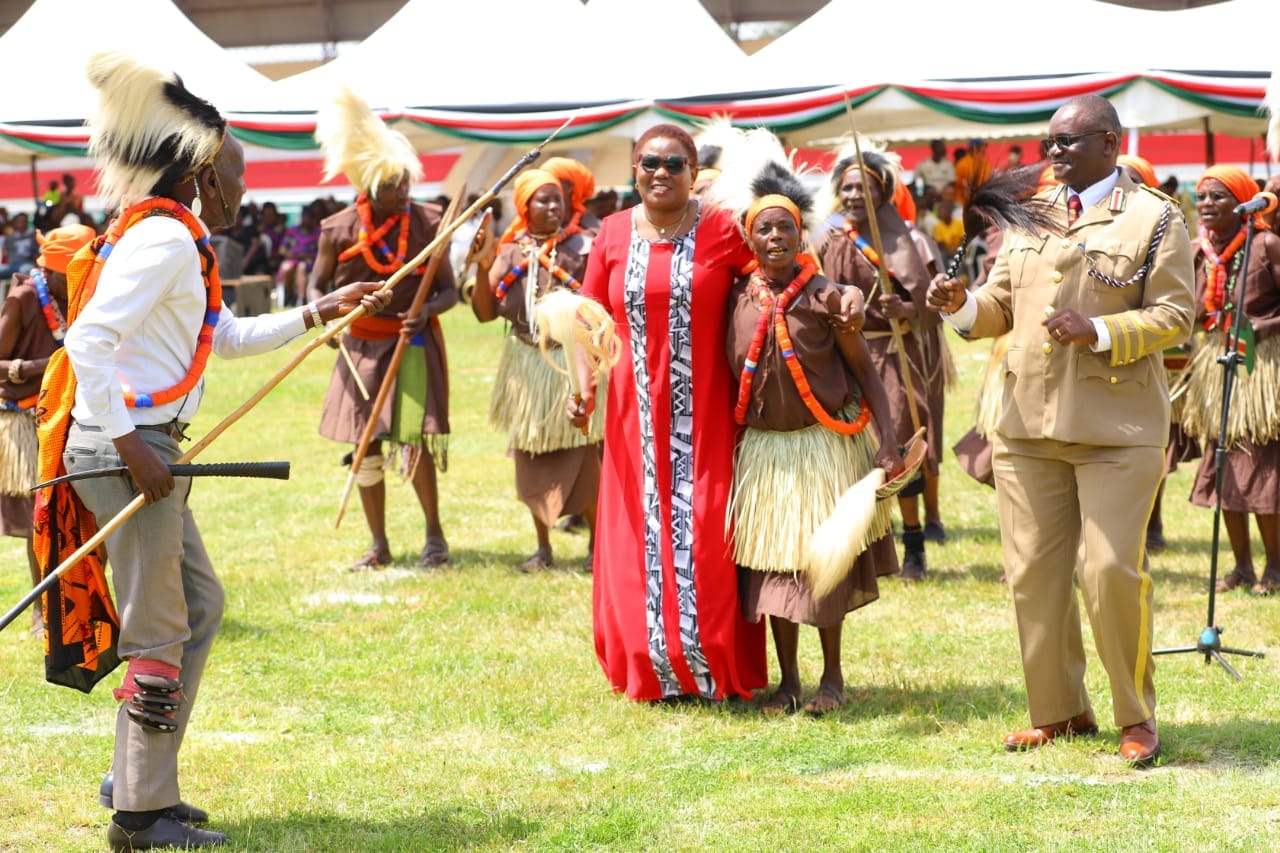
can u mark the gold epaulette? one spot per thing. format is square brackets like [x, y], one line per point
[1160, 194]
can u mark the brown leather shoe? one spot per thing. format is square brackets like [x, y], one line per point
[1037, 736]
[1139, 744]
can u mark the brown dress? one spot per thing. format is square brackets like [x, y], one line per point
[843, 262]
[34, 341]
[558, 482]
[345, 412]
[1251, 472]
[776, 406]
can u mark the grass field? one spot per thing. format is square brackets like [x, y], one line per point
[463, 708]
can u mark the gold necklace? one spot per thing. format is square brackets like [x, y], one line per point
[662, 232]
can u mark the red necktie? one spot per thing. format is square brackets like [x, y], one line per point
[1073, 209]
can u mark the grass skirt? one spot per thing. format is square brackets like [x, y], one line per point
[1255, 399]
[528, 401]
[786, 484]
[19, 452]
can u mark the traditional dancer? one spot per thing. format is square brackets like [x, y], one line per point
[557, 466]
[577, 184]
[1251, 476]
[144, 314]
[372, 239]
[807, 391]
[666, 610]
[848, 256]
[32, 325]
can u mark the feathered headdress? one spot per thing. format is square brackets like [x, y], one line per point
[149, 131]
[760, 166]
[884, 165]
[716, 140]
[357, 143]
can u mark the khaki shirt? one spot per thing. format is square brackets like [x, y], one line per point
[1070, 393]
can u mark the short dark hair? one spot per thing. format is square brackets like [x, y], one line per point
[671, 131]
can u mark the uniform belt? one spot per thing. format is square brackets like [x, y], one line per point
[177, 430]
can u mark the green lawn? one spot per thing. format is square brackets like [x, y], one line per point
[463, 708]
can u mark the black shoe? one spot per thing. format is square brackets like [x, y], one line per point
[935, 532]
[913, 566]
[182, 812]
[165, 832]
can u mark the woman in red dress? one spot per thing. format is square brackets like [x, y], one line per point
[666, 611]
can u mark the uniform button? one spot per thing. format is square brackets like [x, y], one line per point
[1048, 348]
[1113, 380]
[1066, 244]
[1057, 276]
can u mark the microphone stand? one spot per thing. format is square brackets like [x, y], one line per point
[1209, 642]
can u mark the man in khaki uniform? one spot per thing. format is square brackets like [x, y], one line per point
[1078, 452]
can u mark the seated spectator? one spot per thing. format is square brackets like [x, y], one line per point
[298, 256]
[19, 247]
[950, 228]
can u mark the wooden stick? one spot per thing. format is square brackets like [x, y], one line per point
[397, 355]
[882, 279]
[336, 328]
[351, 365]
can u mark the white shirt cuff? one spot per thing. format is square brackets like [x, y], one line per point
[965, 316]
[1104, 336]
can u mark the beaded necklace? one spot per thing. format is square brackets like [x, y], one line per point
[52, 315]
[546, 257]
[774, 308]
[868, 251]
[102, 249]
[370, 238]
[1218, 283]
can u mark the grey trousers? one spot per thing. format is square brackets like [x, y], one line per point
[169, 600]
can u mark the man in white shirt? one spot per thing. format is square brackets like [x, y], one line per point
[137, 349]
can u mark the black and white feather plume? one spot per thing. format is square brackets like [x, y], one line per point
[760, 165]
[716, 141]
[1272, 105]
[149, 131]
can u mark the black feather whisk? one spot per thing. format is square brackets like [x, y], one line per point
[1008, 201]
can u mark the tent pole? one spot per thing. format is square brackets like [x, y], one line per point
[1133, 142]
[1209, 158]
[35, 184]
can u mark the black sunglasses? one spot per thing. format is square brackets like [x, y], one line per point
[1065, 140]
[673, 165]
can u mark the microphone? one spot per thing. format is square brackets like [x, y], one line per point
[1260, 203]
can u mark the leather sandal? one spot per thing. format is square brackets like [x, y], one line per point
[1269, 585]
[538, 562]
[782, 703]
[1235, 579]
[436, 553]
[371, 561]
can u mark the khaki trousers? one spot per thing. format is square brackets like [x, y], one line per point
[1066, 504]
[169, 600]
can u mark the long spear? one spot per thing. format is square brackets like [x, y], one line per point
[397, 355]
[883, 280]
[336, 328]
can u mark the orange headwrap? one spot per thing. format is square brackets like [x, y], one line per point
[584, 183]
[905, 204]
[1142, 166]
[1237, 182]
[527, 183]
[772, 200]
[57, 247]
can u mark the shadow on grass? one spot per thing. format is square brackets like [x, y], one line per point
[1235, 741]
[441, 828]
